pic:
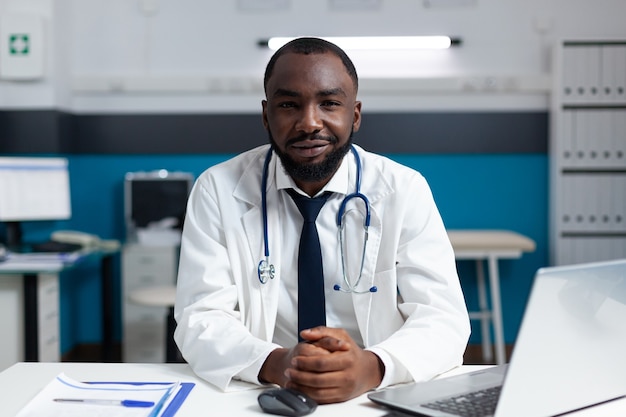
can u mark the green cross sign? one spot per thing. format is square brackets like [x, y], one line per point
[19, 44]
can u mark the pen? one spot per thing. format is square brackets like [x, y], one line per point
[124, 403]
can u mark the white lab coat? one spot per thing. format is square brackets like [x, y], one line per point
[226, 317]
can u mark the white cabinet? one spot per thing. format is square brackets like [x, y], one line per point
[144, 327]
[588, 152]
[12, 312]
[11, 320]
[49, 318]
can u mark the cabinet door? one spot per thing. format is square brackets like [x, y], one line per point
[144, 265]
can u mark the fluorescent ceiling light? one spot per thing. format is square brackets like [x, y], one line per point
[377, 42]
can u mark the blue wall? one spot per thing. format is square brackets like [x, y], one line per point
[495, 191]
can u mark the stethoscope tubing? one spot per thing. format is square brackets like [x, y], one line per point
[265, 270]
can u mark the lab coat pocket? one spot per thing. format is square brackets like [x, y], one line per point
[384, 316]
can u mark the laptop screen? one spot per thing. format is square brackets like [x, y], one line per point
[570, 348]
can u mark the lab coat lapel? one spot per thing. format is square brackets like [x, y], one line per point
[260, 300]
[363, 302]
[376, 188]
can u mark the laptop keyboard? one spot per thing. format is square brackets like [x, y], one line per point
[474, 404]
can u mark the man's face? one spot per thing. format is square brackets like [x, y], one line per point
[310, 114]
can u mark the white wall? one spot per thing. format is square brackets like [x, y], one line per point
[201, 55]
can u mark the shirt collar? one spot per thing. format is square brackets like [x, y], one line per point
[339, 183]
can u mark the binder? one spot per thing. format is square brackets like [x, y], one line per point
[608, 75]
[602, 146]
[569, 75]
[591, 83]
[567, 141]
[603, 198]
[590, 144]
[619, 204]
[614, 73]
[579, 138]
[620, 70]
[587, 193]
[619, 138]
[567, 204]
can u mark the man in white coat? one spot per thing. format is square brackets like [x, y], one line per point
[394, 307]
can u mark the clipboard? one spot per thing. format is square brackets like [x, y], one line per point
[62, 394]
[173, 405]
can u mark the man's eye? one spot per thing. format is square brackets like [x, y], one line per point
[330, 103]
[286, 105]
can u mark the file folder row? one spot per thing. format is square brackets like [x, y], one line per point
[594, 203]
[594, 73]
[593, 138]
[572, 250]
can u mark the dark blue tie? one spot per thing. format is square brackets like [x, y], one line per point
[311, 299]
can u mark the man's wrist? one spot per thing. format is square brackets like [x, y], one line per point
[272, 371]
[380, 366]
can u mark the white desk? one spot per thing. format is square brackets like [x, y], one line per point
[489, 245]
[40, 279]
[21, 382]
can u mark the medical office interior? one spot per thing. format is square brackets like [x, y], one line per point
[519, 126]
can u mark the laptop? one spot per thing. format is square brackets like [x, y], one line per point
[569, 353]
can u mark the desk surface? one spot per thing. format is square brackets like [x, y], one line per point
[49, 262]
[22, 381]
[490, 240]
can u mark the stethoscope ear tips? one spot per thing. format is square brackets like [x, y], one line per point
[337, 287]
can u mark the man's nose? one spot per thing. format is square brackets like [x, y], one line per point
[309, 120]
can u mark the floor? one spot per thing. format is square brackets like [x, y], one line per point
[474, 355]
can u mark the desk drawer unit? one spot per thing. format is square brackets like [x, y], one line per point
[48, 318]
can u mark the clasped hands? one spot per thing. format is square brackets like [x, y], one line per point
[328, 366]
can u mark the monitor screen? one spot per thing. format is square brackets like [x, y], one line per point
[155, 196]
[34, 189]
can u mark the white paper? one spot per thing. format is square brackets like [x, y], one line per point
[43, 405]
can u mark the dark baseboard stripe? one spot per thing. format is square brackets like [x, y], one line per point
[51, 131]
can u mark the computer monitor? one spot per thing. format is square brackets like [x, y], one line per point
[152, 197]
[32, 189]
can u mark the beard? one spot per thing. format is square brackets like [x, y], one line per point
[313, 172]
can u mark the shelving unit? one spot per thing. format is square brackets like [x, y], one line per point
[588, 152]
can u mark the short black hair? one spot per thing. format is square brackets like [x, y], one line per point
[308, 46]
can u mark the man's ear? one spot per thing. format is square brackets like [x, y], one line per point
[356, 121]
[264, 114]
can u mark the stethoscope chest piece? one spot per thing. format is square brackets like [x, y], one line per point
[265, 271]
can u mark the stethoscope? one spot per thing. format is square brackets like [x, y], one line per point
[266, 270]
